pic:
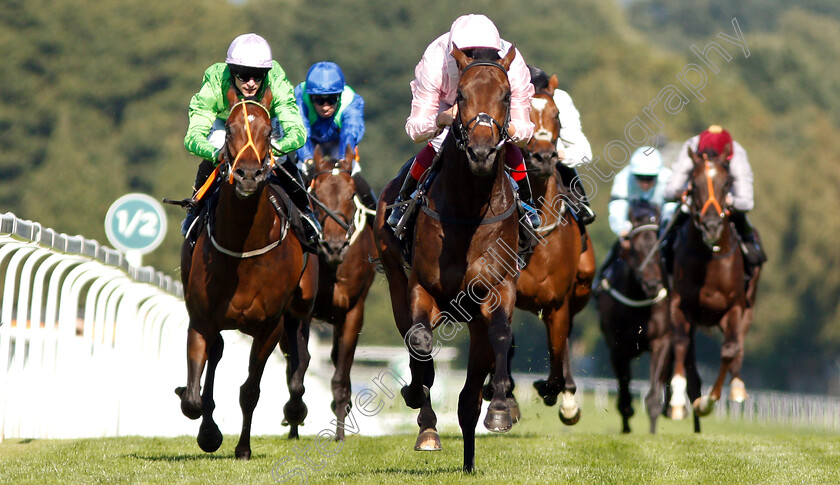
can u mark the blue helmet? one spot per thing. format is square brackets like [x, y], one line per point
[324, 78]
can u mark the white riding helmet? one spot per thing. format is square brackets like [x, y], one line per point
[474, 30]
[646, 161]
[249, 50]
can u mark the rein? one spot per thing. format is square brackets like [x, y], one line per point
[630, 302]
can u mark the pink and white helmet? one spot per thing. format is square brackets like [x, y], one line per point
[474, 30]
[249, 50]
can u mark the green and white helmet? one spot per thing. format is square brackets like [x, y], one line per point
[249, 50]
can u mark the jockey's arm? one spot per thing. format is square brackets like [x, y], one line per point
[680, 172]
[352, 125]
[520, 129]
[742, 179]
[204, 107]
[285, 109]
[572, 143]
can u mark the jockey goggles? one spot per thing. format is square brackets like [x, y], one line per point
[322, 99]
[245, 75]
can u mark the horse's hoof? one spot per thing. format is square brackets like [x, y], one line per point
[549, 398]
[294, 413]
[243, 454]
[703, 406]
[293, 433]
[498, 420]
[737, 391]
[428, 440]
[678, 413]
[515, 415]
[209, 437]
[414, 400]
[569, 410]
[191, 410]
[569, 419]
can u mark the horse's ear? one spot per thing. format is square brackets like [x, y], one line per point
[460, 57]
[553, 83]
[267, 95]
[727, 151]
[508, 59]
[694, 156]
[350, 154]
[231, 96]
[317, 154]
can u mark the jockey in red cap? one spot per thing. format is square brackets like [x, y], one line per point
[713, 141]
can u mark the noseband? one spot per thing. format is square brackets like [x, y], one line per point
[462, 131]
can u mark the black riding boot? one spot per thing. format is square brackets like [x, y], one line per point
[408, 187]
[205, 168]
[527, 202]
[578, 202]
[605, 269]
[294, 187]
[753, 253]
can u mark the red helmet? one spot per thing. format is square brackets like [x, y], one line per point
[715, 138]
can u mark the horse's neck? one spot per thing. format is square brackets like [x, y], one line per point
[543, 190]
[463, 192]
[238, 221]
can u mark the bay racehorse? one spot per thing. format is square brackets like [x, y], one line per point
[709, 287]
[557, 282]
[244, 273]
[464, 263]
[633, 309]
[345, 268]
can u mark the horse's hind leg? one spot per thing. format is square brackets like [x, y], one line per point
[249, 393]
[659, 359]
[197, 344]
[693, 383]
[345, 338]
[209, 437]
[621, 366]
[296, 349]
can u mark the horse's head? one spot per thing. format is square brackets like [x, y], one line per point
[643, 241]
[710, 182]
[541, 151]
[483, 106]
[247, 153]
[334, 187]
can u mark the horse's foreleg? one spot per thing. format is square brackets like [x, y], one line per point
[419, 341]
[197, 345]
[557, 330]
[479, 363]
[583, 278]
[737, 390]
[621, 366]
[249, 393]
[345, 338]
[498, 417]
[297, 362]
[732, 348]
[682, 341]
[209, 437]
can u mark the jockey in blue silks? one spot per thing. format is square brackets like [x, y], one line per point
[333, 115]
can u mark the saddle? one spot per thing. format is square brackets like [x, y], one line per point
[419, 202]
[277, 196]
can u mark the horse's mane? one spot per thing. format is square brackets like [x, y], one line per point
[641, 207]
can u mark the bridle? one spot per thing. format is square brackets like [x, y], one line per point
[462, 131]
[620, 297]
[226, 170]
[352, 226]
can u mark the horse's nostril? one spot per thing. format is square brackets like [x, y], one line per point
[240, 172]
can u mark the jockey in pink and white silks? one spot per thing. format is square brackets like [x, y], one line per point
[433, 105]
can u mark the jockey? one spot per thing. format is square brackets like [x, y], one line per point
[433, 105]
[573, 148]
[333, 115]
[250, 69]
[645, 178]
[740, 199]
